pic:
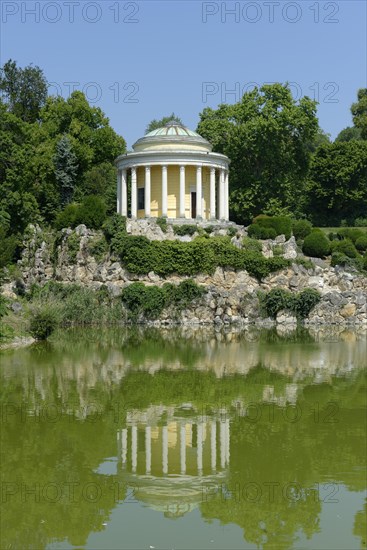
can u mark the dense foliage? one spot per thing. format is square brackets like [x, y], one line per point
[53, 151]
[151, 300]
[266, 135]
[202, 255]
[300, 304]
[316, 245]
[270, 227]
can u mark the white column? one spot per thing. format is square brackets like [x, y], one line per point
[123, 446]
[165, 449]
[212, 194]
[133, 193]
[148, 450]
[226, 196]
[147, 191]
[200, 447]
[183, 448]
[182, 191]
[222, 438]
[123, 202]
[213, 444]
[199, 193]
[134, 447]
[118, 207]
[221, 194]
[164, 191]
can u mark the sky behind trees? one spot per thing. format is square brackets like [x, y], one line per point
[142, 60]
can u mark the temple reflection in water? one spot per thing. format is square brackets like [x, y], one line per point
[167, 457]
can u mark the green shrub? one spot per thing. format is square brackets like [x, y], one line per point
[316, 245]
[364, 262]
[360, 222]
[306, 301]
[98, 248]
[67, 217]
[209, 229]
[184, 229]
[43, 323]
[10, 246]
[92, 212]
[282, 225]
[254, 231]
[257, 232]
[301, 228]
[249, 244]
[202, 255]
[352, 233]
[300, 304]
[231, 231]
[186, 292]
[113, 226]
[361, 243]
[4, 308]
[162, 223]
[150, 301]
[340, 259]
[277, 300]
[332, 236]
[345, 247]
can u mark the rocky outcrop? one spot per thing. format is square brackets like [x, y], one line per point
[231, 297]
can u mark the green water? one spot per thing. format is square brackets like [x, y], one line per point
[132, 439]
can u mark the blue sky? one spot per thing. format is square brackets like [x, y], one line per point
[143, 60]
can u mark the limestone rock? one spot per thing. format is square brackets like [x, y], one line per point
[290, 249]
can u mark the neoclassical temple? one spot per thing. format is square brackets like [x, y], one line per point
[174, 174]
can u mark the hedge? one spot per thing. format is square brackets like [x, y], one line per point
[202, 255]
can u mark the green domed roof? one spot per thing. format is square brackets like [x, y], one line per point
[173, 128]
[172, 135]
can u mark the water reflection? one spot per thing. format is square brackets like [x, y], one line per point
[261, 431]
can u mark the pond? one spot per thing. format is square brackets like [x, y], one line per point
[142, 439]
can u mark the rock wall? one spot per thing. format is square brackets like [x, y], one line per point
[231, 297]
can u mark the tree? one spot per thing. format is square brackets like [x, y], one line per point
[359, 112]
[266, 135]
[66, 167]
[349, 133]
[321, 138]
[155, 124]
[337, 188]
[25, 90]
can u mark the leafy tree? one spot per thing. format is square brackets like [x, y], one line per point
[337, 183]
[266, 135]
[349, 133]
[321, 138]
[66, 167]
[155, 124]
[359, 112]
[25, 90]
[100, 180]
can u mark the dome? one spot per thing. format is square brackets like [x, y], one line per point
[172, 136]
